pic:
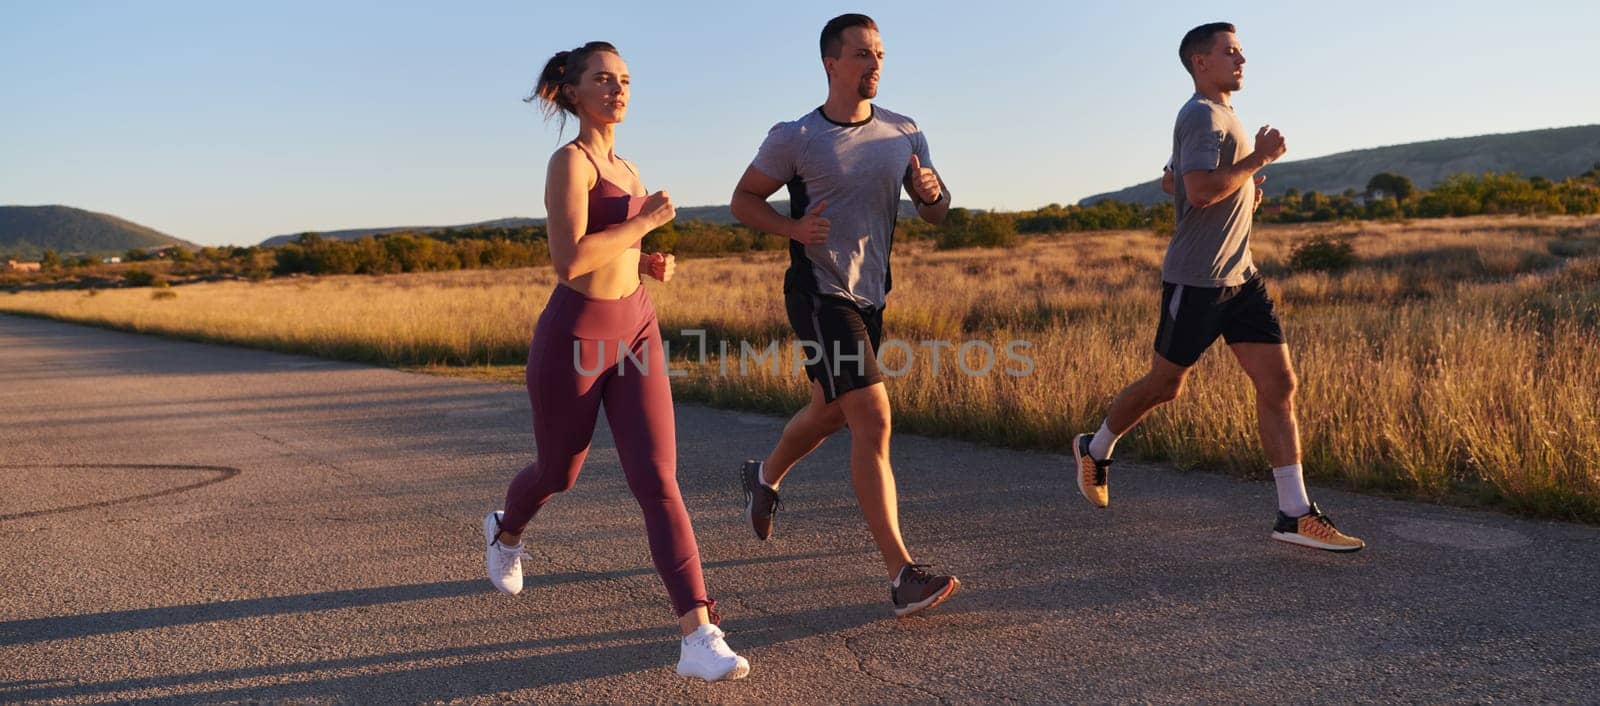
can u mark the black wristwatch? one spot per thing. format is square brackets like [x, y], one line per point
[930, 203]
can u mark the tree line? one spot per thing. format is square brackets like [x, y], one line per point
[1391, 195]
[1387, 196]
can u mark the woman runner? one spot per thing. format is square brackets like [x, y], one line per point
[598, 342]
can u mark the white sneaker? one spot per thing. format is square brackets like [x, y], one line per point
[504, 563]
[707, 656]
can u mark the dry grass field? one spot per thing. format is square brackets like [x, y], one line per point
[1457, 361]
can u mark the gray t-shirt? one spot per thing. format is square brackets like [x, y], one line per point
[858, 169]
[1212, 245]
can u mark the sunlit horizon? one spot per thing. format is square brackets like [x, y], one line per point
[228, 125]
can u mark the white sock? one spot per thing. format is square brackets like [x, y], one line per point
[1292, 500]
[761, 473]
[1103, 442]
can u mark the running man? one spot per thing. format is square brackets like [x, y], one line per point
[1211, 288]
[844, 164]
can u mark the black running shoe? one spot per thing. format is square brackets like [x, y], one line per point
[760, 501]
[920, 590]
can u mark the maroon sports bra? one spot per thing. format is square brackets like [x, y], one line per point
[609, 204]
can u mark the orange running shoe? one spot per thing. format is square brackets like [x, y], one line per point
[1092, 474]
[1314, 530]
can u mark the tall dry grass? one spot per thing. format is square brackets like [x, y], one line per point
[1458, 361]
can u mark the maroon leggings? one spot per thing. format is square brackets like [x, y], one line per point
[576, 362]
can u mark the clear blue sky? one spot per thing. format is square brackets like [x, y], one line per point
[223, 122]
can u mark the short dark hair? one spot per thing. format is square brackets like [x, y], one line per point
[1199, 41]
[832, 33]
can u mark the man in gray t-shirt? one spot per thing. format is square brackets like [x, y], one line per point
[1211, 247]
[856, 172]
[845, 165]
[1211, 288]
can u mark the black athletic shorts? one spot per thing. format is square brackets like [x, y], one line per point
[838, 339]
[1193, 317]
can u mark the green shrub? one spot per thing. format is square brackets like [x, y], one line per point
[138, 278]
[975, 229]
[1322, 252]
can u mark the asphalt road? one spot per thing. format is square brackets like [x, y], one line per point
[194, 523]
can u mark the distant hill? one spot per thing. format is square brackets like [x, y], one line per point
[709, 214]
[1556, 153]
[28, 231]
[358, 233]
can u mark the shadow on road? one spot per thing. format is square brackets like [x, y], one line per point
[18, 632]
[471, 670]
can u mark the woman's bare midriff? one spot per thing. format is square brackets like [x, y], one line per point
[616, 280]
